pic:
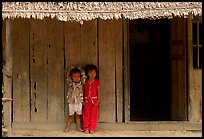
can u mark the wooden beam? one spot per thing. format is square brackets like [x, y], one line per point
[21, 88]
[126, 73]
[117, 27]
[7, 78]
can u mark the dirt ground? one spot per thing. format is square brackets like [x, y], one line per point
[74, 133]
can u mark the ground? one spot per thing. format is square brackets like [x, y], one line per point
[74, 133]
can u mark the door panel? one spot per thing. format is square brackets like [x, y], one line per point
[178, 69]
[55, 66]
[21, 96]
[38, 70]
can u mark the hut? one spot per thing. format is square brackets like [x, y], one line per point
[148, 55]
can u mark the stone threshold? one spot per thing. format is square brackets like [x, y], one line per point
[130, 126]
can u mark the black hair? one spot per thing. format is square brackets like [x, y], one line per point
[75, 70]
[90, 67]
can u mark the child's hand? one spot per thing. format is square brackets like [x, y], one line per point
[97, 103]
[79, 67]
[83, 103]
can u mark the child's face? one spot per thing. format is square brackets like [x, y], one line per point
[92, 74]
[76, 77]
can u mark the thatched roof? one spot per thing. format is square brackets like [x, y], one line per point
[80, 11]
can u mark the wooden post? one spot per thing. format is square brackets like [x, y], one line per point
[7, 76]
[190, 61]
[126, 73]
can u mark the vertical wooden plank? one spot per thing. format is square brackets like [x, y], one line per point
[7, 76]
[72, 43]
[4, 40]
[107, 71]
[72, 40]
[182, 71]
[38, 70]
[174, 95]
[89, 42]
[119, 68]
[178, 65]
[126, 72]
[190, 65]
[55, 54]
[174, 74]
[21, 90]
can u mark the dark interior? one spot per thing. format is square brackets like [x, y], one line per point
[149, 47]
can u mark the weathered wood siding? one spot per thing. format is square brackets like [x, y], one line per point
[178, 69]
[47, 47]
[7, 74]
[89, 46]
[72, 43]
[110, 69]
[21, 90]
[55, 68]
[38, 70]
[107, 71]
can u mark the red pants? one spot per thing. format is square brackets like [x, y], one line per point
[90, 116]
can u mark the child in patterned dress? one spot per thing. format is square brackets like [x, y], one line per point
[75, 80]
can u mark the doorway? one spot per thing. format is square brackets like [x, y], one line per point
[150, 89]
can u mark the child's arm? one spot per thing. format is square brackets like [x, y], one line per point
[68, 71]
[98, 95]
[79, 67]
[83, 77]
[68, 79]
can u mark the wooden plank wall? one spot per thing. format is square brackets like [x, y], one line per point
[89, 48]
[110, 67]
[55, 68]
[7, 75]
[107, 72]
[38, 70]
[72, 49]
[72, 43]
[49, 44]
[118, 44]
[4, 40]
[21, 90]
[81, 43]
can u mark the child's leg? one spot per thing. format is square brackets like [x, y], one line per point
[93, 117]
[85, 116]
[78, 121]
[69, 121]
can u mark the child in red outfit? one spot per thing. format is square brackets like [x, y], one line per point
[91, 99]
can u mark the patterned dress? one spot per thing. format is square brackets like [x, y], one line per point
[75, 90]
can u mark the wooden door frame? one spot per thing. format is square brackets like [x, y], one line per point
[126, 64]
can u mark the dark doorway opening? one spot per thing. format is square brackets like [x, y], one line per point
[150, 89]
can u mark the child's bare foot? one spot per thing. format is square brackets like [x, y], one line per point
[91, 132]
[66, 130]
[79, 129]
[86, 131]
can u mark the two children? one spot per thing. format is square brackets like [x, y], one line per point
[83, 91]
